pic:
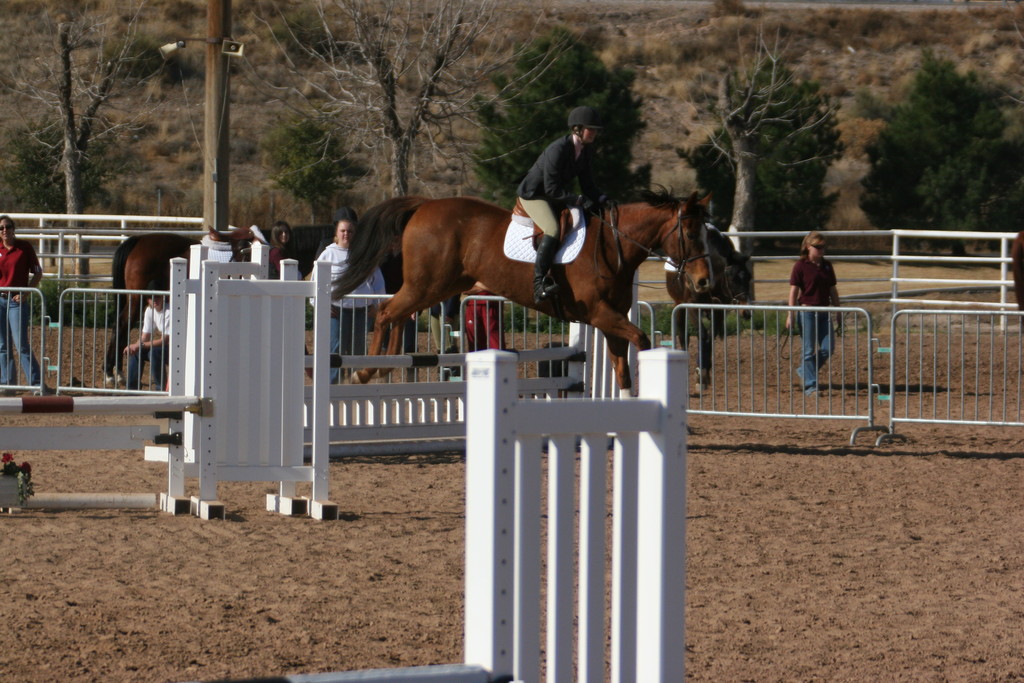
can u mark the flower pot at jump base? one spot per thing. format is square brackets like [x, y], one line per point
[9, 492]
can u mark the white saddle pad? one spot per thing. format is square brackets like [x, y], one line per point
[519, 245]
[219, 251]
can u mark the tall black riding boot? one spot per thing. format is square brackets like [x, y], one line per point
[543, 286]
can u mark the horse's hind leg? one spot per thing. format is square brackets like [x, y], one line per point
[383, 329]
[113, 375]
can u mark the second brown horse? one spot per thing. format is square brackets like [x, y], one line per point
[449, 244]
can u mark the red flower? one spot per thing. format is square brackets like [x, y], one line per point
[26, 468]
[8, 457]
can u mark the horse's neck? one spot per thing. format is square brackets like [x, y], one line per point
[636, 237]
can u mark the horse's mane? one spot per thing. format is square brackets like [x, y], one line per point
[378, 231]
[724, 246]
[660, 196]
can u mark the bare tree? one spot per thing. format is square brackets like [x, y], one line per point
[747, 106]
[75, 84]
[72, 88]
[406, 73]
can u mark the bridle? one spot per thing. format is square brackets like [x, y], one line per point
[681, 266]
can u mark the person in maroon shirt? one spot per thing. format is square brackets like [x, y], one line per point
[280, 235]
[483, 321]
[19, 267]
[812, 282]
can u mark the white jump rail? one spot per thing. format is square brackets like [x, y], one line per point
[96, 437]
[244, 353]
[503, 534]
[503, 526]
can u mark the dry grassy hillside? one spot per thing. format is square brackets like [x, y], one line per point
[676, 48]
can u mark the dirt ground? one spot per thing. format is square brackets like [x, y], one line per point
[807, 560]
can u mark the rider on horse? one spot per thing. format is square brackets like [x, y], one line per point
[545, 191]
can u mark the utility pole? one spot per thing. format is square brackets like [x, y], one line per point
[217, 118]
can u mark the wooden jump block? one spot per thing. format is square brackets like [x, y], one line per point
[175, 505]
[207, 509]
[301, 505]
[323, 509]
[287, 505]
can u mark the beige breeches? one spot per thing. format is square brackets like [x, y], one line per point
[540, 211]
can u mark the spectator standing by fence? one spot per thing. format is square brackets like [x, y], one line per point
[280, 236]
[812, 282]
[19, 267]
[350, 317]
[483, 321]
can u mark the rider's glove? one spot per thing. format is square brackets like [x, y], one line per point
[588, 204]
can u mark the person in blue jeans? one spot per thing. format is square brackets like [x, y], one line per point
[350, 318]
[153, 345]
[19, 267]
[812, 282]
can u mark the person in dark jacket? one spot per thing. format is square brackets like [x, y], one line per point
[547, 190]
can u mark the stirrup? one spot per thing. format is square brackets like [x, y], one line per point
[544, 290]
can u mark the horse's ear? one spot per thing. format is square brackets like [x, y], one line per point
[706, 202]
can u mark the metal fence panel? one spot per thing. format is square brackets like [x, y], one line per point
[23, 323]
[747, 362]
[86, 330]
[956, 367]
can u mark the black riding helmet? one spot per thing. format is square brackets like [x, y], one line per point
[586, 117]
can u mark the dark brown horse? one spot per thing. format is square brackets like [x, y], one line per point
[732, 278]
[1017, 268]
[144, 259]
[732, 282]
[449, 244]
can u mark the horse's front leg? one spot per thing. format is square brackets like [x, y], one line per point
[619, 334]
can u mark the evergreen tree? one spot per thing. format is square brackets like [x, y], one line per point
[796, 141]
[306, 161]
[944, 160]
[31, 170]
[518, 128]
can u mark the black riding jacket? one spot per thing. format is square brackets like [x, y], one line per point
[552, 174]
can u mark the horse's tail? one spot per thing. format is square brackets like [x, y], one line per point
[121, 259]
[379, 230]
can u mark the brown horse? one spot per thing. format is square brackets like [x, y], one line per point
[449, 244]
[732, 282]
[1017, 268]
[144, 259]
[732, 275]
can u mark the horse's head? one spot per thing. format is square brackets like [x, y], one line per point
[685, 243]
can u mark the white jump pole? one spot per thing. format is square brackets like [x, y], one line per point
[91, 501]
[94, 405]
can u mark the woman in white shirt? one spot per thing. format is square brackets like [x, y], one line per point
[350, 317]
[149, 347]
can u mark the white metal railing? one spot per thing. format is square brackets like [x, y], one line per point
[896, 288]
[63, 240]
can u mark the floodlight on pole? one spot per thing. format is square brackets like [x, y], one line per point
[170, 48]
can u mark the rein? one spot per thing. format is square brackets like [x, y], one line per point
[619, 236]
